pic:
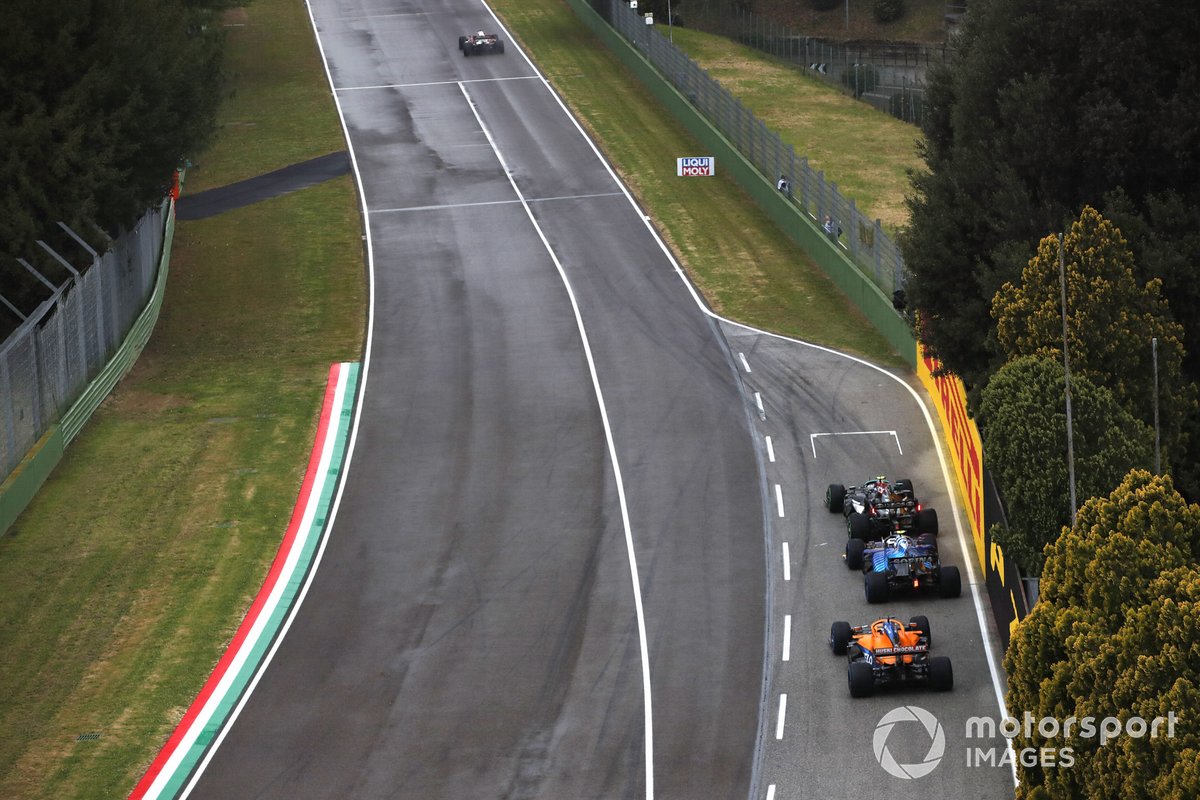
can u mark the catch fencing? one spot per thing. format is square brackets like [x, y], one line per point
[888, 75]
[861, 237]
[47, 362]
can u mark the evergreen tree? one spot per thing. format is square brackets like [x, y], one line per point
[1110, 323]
[1024, 422]
[1044, 108]
[101, 101]
[1116, 632]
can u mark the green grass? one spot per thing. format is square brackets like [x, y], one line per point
[745, 266]
[866, 152]
[132, 568]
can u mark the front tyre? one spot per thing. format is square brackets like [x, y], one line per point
[835, 498]
[839, 637]
[854, 553]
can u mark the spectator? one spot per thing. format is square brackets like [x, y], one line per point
[784, 185]
[830, 231]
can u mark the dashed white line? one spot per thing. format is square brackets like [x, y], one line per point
[782, 714]
[787, 563]
[745, 363]
[771, 792]
[787, 637]
[770, 449]
[779, 499]
[758, 402]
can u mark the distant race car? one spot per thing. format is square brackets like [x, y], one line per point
[902, 562]
[480, 43]
[878, 507]
[889, 652]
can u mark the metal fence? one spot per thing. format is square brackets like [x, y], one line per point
[888, 75]
[47, 362]
[861, 237]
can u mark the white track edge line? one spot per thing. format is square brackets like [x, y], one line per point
[612, 452]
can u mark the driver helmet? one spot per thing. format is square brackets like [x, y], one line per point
[891, 630]
[481, 33]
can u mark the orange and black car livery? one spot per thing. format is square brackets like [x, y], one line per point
[887, 651]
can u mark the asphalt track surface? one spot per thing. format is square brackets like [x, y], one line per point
[472, 628]
[560, 510]
[826, 418]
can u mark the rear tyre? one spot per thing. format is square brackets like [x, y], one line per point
[927, 521]
[499, 47]
[462, 40]
[921, 623]
[854, 553]
[949, 582]
[839, 637]
[876, 586]
[941, 674]
[835, 498]
[859, 526]
[861, 678]
[466, 52]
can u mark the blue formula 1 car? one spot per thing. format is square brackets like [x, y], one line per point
[902, 562]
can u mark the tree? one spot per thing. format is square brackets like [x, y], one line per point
[1110, 321]
[1116, 632]
[1045, 107]
[1023, 419]
[101, 101]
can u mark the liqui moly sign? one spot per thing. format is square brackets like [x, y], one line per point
[696, 165]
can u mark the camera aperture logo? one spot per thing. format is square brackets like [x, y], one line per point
[937, 742]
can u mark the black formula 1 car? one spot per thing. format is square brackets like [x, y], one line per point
[888, 652]
[480, 43]
[902, 562]
[879, 507]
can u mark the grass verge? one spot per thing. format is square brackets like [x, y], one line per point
[130, 571]
[746, 267]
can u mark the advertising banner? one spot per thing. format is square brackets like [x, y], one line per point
[696, 165]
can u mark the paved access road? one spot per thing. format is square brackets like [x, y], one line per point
[518, 570]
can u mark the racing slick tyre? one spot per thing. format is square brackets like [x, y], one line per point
[941, 674]
[903, 485]
[927, 521]
[839, 637]
[462, 40]
[499, 47]
[949, 582]
[854, 553]
[876, 586]
[835, 498]
[466, 52]
[921, 623]
[859, 526]
[861, 678]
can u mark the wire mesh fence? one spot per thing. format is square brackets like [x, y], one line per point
[47, 362]
[860, 236]
[888, 75]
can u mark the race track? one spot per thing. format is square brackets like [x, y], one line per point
[472, 629]
[555, 569]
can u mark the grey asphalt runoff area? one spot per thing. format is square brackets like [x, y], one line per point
[278, 182]
[554, 568]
